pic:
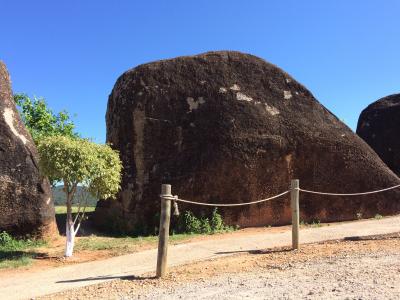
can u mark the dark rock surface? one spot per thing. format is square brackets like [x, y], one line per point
[379, 126]
[230, 127]
[25, 196]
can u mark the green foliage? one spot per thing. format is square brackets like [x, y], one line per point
[314, 223]
[78, 161]
[190, 224]
[16, 252]
[217, 224]
[5, 239]
[16, 261]
[9, 243]
[41, 121]
[205, 226]
[378, 216]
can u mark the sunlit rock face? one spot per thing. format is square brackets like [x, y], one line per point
[229, 127]
[379, 126]
[25, 197]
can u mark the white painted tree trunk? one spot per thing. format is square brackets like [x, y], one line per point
[70, 234]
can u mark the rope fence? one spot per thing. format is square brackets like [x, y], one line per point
[177, 199]
[350, 194]
[167, 198]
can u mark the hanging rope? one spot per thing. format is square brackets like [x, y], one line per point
[350, 194]
[176, 198]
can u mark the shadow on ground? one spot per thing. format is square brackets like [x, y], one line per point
[17, 254]
[107, 278]
[264, 251]
[348, 238]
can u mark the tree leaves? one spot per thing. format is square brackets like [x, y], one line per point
[78, 161]
[41, 121]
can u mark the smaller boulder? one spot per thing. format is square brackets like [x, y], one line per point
[379, 126]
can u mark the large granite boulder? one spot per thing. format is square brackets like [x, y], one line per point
[25, 196]
[379, 126]
[231, 127]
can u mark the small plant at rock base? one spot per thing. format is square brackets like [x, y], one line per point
[316, 223]
[190, 224]
[378, 216]
[10, 243]
[217, 223]
[5, 239]
[205, 226]
[359, 215]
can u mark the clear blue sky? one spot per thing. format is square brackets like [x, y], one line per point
[71, 52]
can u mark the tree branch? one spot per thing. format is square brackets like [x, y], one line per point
[84, 196]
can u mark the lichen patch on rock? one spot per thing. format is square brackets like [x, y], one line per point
[235, 87]
[287, 95]
[243, 97]
[9, 118]
[194, 104]
[271, 110]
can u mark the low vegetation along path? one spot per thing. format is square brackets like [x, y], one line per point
[33, 284]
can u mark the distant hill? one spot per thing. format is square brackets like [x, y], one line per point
[59, 196]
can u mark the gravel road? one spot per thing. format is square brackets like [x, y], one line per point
[352, 269]
[362, 277]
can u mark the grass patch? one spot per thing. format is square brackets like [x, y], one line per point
[62, 209]
[12, 263]
[121, 245]
[15, 253]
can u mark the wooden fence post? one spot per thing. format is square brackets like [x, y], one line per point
[294, 195]
[163, 234]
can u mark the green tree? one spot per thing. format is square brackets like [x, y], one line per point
[75, 161]
[40, 119]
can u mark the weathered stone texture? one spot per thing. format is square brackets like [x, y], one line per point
[25, 197]
[230, 127]
[379, 126]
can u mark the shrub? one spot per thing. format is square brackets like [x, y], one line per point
[9, 243]
[217, 224]
[205, 226]
[189, 223]
[5, 239]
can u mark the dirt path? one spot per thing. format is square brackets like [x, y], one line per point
[331, 270]
[25, 286]
[364, 269]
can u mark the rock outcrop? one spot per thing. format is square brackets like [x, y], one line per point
[25, 197]
[379, 126]
[230, 127]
